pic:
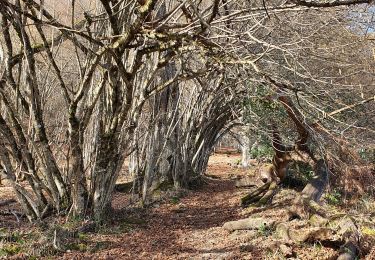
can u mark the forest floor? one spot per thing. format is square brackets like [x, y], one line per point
[183, 226]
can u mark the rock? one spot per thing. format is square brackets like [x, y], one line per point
[312, 234]
[282, 232]
[347, 255]
[87, 227]
[286, 251]
[314, 189]
[317, 220]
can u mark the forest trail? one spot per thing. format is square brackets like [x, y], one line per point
[176, 227]
[185, 228]
[190, 227]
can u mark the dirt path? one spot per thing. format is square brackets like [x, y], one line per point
[189, 228]
[170, 228]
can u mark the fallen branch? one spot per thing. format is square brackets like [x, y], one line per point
[7, 202]
[12, 213]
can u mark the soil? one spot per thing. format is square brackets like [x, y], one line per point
[181, 228]
[187, 225]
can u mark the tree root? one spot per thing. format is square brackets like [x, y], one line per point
[268, 195]
[325, 225]
[339, 229]
[261, 195]
[245, 182]
[248, 224]
[315, 188]
[351, 235]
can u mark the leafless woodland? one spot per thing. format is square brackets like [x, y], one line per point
[89, 85]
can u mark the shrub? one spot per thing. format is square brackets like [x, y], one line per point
[333, 197]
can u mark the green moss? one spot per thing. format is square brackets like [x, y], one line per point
[124, 225]
[72, 223]
[37, 46]
[82, 236]
[77, 247]
[368, 231]
[128, 224]
[175, 200]
[10, 249]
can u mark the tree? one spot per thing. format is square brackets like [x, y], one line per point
[117, 53]
[312, 86]
[76, 92]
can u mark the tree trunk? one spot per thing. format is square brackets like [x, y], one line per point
[106, 170]
[315, 188]
[245, 149]
[79, 192]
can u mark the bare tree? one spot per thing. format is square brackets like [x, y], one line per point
[103, 102]
[76, 91]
